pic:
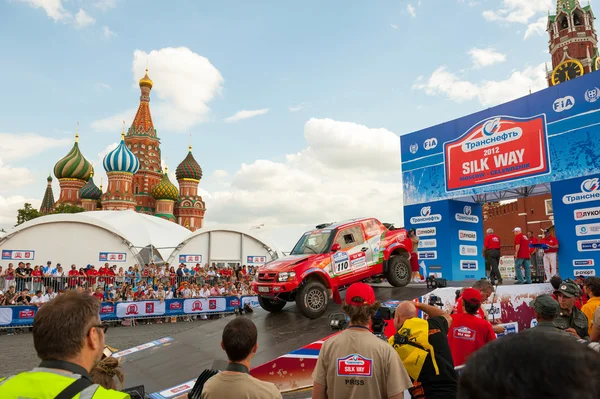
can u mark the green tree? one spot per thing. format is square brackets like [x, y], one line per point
[67, 208]
[27, 213]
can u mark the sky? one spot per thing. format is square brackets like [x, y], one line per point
[294, 109]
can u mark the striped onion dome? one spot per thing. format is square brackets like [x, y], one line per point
[73, 165]
[121, 159]
[165, 190]
[90, 191]
[189, 168]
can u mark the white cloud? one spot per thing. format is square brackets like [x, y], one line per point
[114, 124]
[488, 93]
[12, 177]
[537, 28]
[9, 207]
[54, 9]
[82, 19]
[394, 26]
[184, 84]
[520, 11]
[486, 57]
[296, 108]
[246, 114]
[220, 174]
[105, 5]
[15, 146]
[101, 86]
[107, 32]
[411, 10]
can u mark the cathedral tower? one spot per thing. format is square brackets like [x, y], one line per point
[190, 208]
[48, 201]
[573, 42]
[165, 193]
[120, 165]
[90, 195]
[72, 172]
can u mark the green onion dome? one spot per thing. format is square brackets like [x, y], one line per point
[189, 168]
[73, 165]
[90, 191]
[165, 190]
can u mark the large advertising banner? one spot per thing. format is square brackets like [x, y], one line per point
[576, 206]
[544, 137]
[466, 240]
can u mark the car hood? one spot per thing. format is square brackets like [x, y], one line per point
[285, 264]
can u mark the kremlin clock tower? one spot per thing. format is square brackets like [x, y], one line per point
[573, 42]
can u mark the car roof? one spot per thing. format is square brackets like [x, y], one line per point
[336, 225]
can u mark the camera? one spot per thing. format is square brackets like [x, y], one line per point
[435, 300]
[340, 321]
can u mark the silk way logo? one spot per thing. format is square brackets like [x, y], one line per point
[591, 96]
[426, 216]
[467, 210]
[494, 131]
[590, 191]
[414, 148]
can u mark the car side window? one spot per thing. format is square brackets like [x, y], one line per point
[350, 237]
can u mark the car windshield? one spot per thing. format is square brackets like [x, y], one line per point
[315, 242]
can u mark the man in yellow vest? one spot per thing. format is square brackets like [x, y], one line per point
[69, 339]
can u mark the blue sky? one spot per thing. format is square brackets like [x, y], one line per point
[392, 65]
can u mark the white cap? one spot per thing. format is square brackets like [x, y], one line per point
[517, 229]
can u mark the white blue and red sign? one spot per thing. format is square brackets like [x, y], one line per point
[20, 255]
[196, 258]
[354, 365]
[112, 257]
[256, 260]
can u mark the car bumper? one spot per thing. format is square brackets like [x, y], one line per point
[272, 289]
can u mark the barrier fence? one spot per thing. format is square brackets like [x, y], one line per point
[22, 316]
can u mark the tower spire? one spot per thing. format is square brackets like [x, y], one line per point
[77, 133]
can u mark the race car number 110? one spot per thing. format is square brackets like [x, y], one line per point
[342, 262]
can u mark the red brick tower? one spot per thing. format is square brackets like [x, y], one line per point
[141, 139]
[190, 208]
[573, 42]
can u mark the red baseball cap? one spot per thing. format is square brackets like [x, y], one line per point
[471, 295]
[360, 294]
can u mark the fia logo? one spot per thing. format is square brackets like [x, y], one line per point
[589, 185]
[426, 211]
[430, 144]
[563, 104]
[491, 127]
[467, 210]
[414, 148]
[591, 96]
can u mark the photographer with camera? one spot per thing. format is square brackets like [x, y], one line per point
[423, 347]
[355, 364]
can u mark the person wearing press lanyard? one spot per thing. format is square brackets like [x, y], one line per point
[355, 364]
[239, 341]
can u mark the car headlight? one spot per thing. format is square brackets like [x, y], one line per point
[286, 276]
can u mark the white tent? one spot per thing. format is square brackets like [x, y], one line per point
[93, 237]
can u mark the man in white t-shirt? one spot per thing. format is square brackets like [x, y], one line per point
[50, 294]
[38, 299]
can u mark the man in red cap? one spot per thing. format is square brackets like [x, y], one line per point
[468, 332]
[355, 364]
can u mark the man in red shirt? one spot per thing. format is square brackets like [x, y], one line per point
[491, 249]
[92, 273]
[72, 273]
[468, 332]
[522, 257]
[550, 266]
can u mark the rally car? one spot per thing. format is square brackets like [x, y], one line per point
[330, 258]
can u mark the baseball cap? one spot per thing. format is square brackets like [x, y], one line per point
[517, 229]
[360, 294]
[471, 295]
[569, 288]
[545, 305]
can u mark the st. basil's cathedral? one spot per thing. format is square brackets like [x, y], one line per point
[136, 180]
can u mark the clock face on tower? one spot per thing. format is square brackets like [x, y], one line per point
[567, 70]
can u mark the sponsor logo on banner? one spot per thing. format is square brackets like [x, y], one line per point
[587, 229]
[204, 305]
[177, 390]
[591, 96]
[141, 308]
[190, 258]
[6, 315]
[584, 272]
[175, 306]
[341, 262]
[497, 149]
[587, 213]
[426, 217]
[466, 216]
[426, 231]
[142, 347]
[467, 235]
[469, 265]
[583, 262]
[413, 148]
[106, 309]
[430, 144]
[428, 243]
[257, 260]
[590, 191]
[112, 257]
[469, 250]
[250, 300]
[464, 333]
[9, 254]
[494, 310]
[235, 302]
[588, 245]
[26, 314]
[563, 104]
[427, 254]
[354, 366]
[358, 260]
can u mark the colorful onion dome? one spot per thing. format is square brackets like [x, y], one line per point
[49, 177]
[121, 159]
[73, 165]
[165, 190]
[90, 191]
[189, 168]
[146, 81]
